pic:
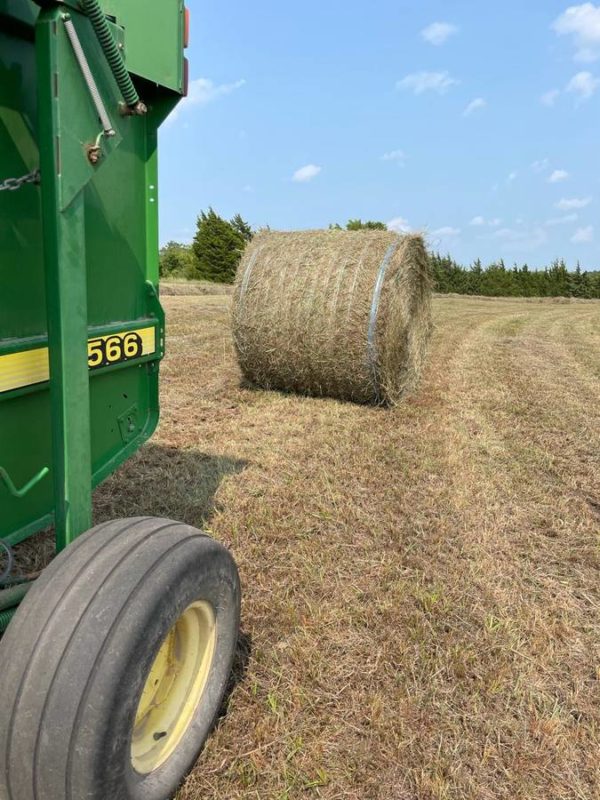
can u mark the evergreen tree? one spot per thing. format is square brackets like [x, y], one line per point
[575, 279]
[218, 246]
[498, 281]
[476, 277]
[242, 228]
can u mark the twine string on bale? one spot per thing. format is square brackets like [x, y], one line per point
[334, 313]
[355, 277]
[371, 339]
[247, 273]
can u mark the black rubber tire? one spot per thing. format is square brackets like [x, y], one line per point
[75, 658]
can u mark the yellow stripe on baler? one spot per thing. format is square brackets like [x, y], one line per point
[18, 370]
[23, 369]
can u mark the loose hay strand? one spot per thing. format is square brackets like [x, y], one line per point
[307, 318]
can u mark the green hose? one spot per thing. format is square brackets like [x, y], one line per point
[13, 596]
[111, 51]
[5, 618]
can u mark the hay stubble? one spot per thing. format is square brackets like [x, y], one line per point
[421, 587]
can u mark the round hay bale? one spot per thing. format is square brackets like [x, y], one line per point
[334, 313]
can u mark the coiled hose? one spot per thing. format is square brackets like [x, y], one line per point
[5, 618]
[111, 51]
[13, 596]
[9, 600]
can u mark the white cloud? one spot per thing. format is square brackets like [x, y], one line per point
[522, 240]
[582, 22]
[307, 173]
[203, 91]
[584, 85]
[399, 225]
[549, 98]
[506, 233]
[570, 204]
[420, 82]
[399, 156]
[583, 235]
[558, 175]
[512, 177]
[541, 165]
[439, 32]
[478, 222]
[564, 220]
[474, 105]
[447, 232]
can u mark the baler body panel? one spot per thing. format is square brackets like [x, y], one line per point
[115, 204]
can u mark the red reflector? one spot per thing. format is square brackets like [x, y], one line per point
[186, 28]
[186, 76]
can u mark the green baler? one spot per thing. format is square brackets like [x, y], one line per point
[114, 665]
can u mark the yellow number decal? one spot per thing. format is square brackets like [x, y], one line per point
[132, 345]
[95, 353]
[114, 349]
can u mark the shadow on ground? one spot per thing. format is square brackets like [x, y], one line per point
[166, 482]
[157, 482]
[239, 670]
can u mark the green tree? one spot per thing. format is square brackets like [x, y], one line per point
[498, 281]
[177, 260]
[576, 282]
[242, 227]
[218, 246]
[359, 225]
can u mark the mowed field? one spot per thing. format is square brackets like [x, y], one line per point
[421, 608]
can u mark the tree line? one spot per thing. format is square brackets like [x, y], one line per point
[219, 243]
[498, 280]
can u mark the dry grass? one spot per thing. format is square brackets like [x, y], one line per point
[176, 287]
[334, 313]
[421, 586]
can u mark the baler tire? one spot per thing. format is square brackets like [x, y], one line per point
[115, 665]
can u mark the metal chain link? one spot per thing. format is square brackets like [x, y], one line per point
[12, 184]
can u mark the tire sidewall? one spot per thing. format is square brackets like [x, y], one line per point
[204, 570]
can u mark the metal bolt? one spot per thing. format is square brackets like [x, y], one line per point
[138, 110]
[94, 153]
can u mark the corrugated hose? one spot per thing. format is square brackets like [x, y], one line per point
[5, 618]
[111, 51]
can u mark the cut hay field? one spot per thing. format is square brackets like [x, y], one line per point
[421, 613]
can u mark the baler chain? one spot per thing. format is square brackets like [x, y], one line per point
[12, 184]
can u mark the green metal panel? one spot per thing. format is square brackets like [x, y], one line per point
[154, 38]
[90, 258]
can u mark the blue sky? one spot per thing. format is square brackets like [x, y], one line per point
[476, 122]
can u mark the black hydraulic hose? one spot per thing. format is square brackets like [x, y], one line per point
[13, 596]
[111, 51]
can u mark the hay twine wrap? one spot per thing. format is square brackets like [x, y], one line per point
[334, 313]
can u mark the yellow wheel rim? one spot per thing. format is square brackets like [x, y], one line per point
[174, 688]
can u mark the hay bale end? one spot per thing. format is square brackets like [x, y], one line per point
[334, 313]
